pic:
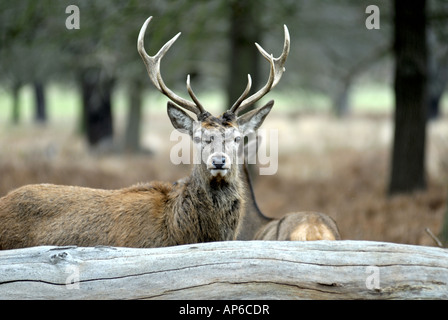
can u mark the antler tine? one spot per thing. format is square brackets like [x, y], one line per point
[276, 71]
[243, 96]
[152, 64]
[193, 96]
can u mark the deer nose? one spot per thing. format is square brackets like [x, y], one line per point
[218, 162]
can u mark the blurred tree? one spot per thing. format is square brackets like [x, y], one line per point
[410, 47]
[443, 235]
[89, 50]
[331, 48]
[437, 78]
[134, 125]
[24, 50]
[131, 71]
[96, 89]
[244, 58]
[40, 103]
[15, 114]
[437, 54]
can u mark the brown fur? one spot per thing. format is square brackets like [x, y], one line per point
[300, 226]
[147, 215]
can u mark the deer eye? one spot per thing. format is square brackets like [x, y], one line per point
[210, 139]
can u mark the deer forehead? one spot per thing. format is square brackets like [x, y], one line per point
[219, 133]
[226, 120]
[214, 125]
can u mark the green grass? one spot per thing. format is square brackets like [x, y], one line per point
[373, 99]
[444, 102]
[62, 101]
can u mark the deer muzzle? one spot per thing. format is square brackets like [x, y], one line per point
[219, 163]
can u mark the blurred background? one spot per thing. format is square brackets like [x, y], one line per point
[361, 109]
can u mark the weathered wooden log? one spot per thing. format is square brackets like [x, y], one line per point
[228, 270]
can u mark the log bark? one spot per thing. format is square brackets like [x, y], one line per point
[228, 270]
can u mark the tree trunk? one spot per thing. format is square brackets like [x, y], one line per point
[97, 109]
[443, 236]
[437, 71]
[15, 115]
[228, 270]
[40, 103]
[133, 127]
[408, 155]
[436, 85]
[341, 103]
[244, 57]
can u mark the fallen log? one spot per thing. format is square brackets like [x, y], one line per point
[228, 270]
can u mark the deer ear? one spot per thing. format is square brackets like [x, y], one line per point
[180, 119]
[252, 120]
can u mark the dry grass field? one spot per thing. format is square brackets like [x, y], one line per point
[339, 167]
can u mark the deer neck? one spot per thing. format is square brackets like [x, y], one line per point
[254, 218]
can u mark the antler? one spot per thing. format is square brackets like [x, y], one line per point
[276, 71]
[153, 67]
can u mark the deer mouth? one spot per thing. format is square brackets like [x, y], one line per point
[218, 164]
[219, 172]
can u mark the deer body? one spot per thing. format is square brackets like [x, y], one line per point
[206, 206]
[146, 215]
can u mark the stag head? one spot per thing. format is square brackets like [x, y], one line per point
[216, 139]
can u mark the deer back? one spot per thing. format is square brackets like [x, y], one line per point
[300, 226]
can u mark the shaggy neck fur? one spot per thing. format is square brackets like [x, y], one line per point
[212, 207]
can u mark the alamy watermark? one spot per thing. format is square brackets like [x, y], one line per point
[72, 280]
[260, 148]
[373, 278]
[73, 21]
[373, 20]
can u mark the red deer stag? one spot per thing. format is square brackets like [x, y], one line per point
[207, 206]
